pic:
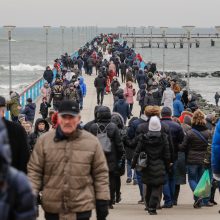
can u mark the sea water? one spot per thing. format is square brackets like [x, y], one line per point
[28, 56]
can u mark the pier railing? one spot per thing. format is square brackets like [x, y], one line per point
[32, 91]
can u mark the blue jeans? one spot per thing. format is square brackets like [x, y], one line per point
[140, 183]
[169, 187]
[194, 174]
[129, 171]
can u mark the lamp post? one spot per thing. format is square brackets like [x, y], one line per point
[151, 33]
[9, 28]
[188, 29]
[46, 33]
[163, 31]
[72, 29]
[62, 42]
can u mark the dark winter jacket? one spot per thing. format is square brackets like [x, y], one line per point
[158, 153]
[48, 76]
[122, 107]
[192, 104]
[36, 134]
[123, 67]
[18, 143]
[100, 82]
[149, 99]
[44, 108]
[117, 149]
[157, 96]
[177, 135]
[16, 196]
[29, 111]
[141, 78]
[194, 146]
[115, 86]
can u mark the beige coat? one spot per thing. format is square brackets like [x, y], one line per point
[73, 172]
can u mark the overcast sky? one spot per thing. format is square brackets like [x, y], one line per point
[110, 13]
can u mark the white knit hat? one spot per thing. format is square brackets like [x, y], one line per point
[154, 124]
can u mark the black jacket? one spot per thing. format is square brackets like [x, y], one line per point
[32, 139]
[116, 154]
[44, 108]
[18, 143]
[158, 154]
[48, 75]
[100, 82]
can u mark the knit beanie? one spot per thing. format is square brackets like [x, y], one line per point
[154, 124]
[166, 112]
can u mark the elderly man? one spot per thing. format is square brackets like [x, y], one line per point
[69, 167]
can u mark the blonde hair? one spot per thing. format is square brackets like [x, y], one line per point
[152, 111]
[198, 118]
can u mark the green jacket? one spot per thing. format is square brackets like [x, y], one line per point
[12, 106]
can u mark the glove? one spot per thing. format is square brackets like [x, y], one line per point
[102, 209]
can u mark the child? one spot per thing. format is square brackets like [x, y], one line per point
[44, 108]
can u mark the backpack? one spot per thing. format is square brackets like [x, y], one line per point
[104, 139]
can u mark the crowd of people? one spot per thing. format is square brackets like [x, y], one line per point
[75, 166]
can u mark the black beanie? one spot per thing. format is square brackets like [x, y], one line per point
[166, 112]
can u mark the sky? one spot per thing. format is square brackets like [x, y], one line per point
[110, 13]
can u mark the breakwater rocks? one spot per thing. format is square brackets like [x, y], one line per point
[202, 103]
[195, 74]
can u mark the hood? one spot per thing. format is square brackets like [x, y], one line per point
[178, 96]
[144, 117]
[143, 86]
[81, 80]
[31, 105]
[5, 152]
[117, 119]
[39, 120]
[103, 114]
[96, 111]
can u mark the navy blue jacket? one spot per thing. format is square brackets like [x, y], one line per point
[177, 134]
[141, 78]
[29, 111]
[122, 107]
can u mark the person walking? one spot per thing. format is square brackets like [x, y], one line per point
[77, 181]
[16, 197]
[217, 96]
[129, 93]
[29, 110]
[100, 84]
[48, 75]
[44, 106]
[154, 142]
[195, 145]
[13, 106]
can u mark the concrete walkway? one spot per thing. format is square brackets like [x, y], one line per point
[128, 209]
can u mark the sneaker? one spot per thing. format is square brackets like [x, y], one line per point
[208, 204]
[197, 204]
[128, 180]
[152, 212]
[141, 201]
[167, 206]
[134, 182]
[213, 202]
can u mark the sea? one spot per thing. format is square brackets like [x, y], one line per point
[28, 55]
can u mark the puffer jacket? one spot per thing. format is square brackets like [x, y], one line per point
[216, 150]
[194, 146]
[158, 154]
[17, 199]
[71, 172]
[104, 119]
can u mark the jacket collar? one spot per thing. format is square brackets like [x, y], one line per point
[59, 136]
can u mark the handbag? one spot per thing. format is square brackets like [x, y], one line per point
[142, 161]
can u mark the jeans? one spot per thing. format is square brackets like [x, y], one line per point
[100, 94]
[195, 172]
[140, 183]
[81, 104]
[169, 187]
[129, 171]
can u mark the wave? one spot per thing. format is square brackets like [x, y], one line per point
[23, 67]
[15, 86]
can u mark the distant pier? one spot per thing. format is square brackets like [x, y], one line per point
[176, 40]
